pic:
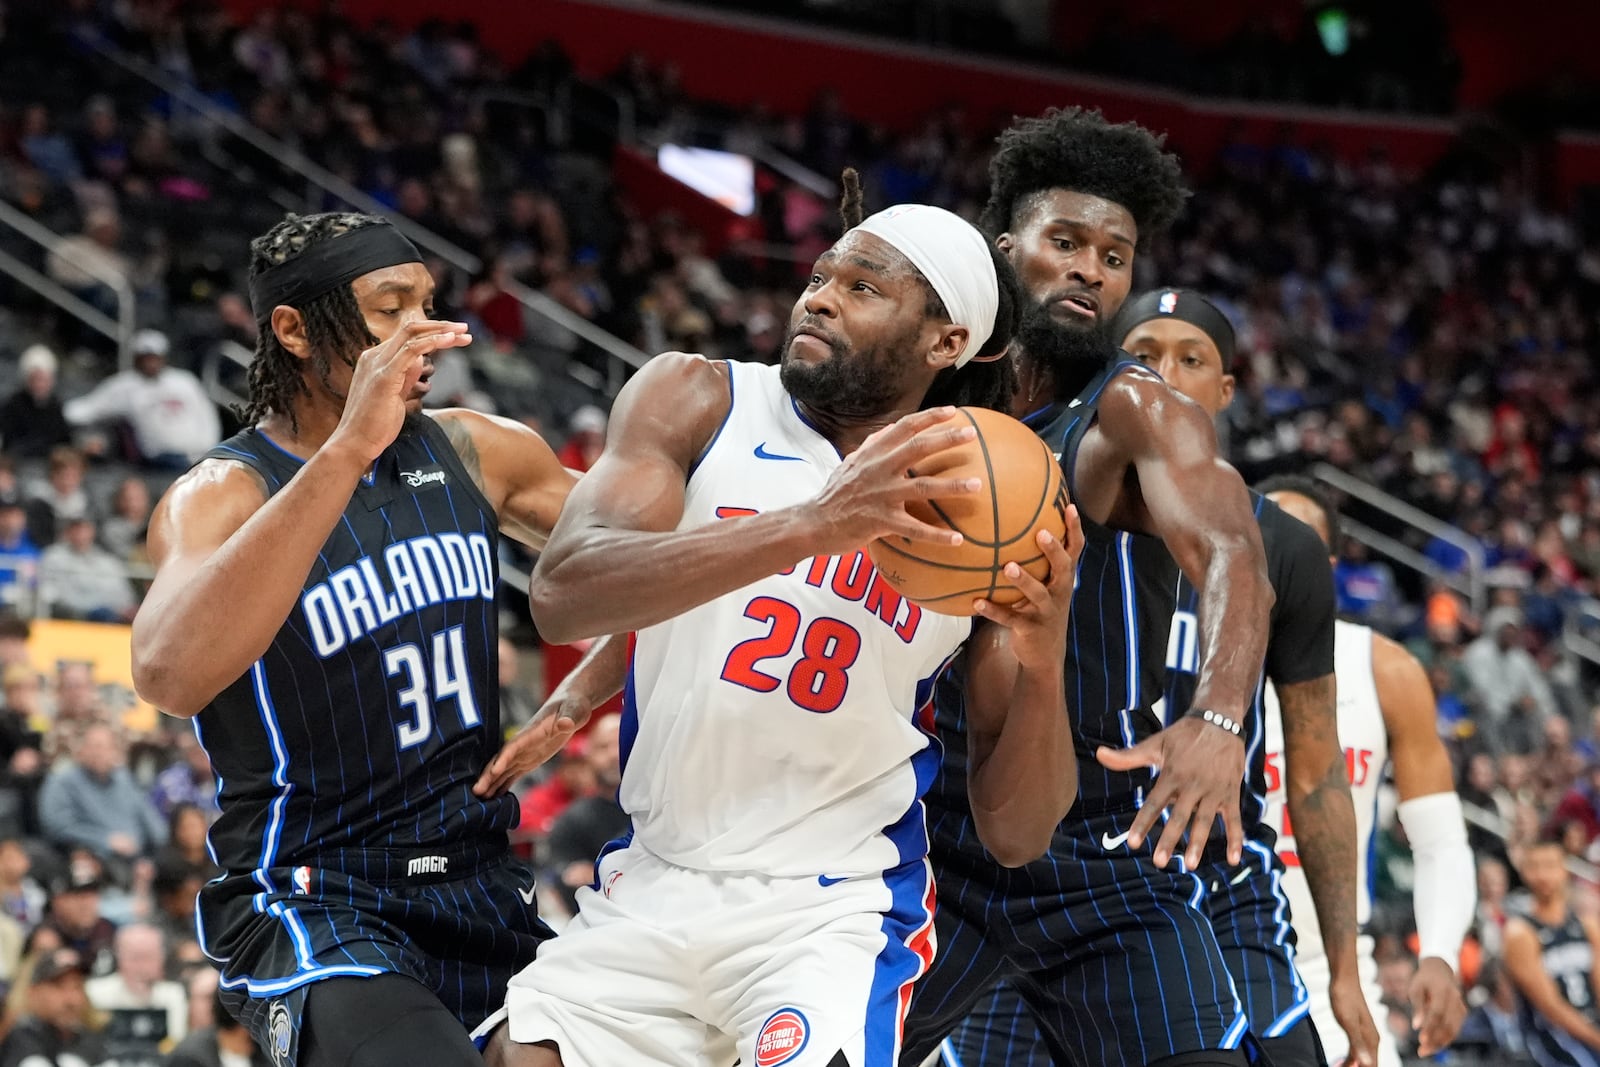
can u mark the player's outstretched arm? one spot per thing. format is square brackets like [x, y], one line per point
[1199, 506]
[616, 560]
[1023, 774]
[230, 563]
[514, 469]
[1444, 897]
[1525, 964]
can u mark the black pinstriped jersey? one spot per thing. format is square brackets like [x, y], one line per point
[1116, 638]
[1568, 958]
[1299, 641]
[377, 705]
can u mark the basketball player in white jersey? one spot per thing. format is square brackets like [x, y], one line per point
[773, 901]
[1386, 715]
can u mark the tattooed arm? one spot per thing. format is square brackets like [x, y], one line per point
[1324, 820]
[514, 468]
[1300, 661]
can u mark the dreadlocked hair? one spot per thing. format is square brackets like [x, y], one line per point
[852, 201]
[335, 327]
[853, 212]
[987, 384]
[1077, 149]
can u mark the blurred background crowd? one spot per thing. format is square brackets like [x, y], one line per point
[1425, 334]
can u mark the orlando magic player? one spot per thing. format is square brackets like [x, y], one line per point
[774, 899]
[1100, 937]
[1550, 956]
[324, 608]
[1386, 716]
[1184, 337]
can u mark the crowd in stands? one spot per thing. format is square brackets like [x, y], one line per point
[1431, 334]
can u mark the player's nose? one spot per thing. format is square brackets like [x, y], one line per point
[823, 300]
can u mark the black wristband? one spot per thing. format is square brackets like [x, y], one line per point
[1219, 720]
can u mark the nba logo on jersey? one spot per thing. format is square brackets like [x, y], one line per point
[302, 879]
[782, 1038]
[1169, 303]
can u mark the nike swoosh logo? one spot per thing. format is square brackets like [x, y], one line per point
[762, 453]
[1241, 876]
[1111, 844]
[527, 895]
[824, 881]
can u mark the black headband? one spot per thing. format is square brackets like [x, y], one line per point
[329, 264]
[1186, 305]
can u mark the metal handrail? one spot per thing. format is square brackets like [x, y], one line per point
[327, 181]
[1573, 638]
[211, 371]
[1475, 585]
[119, 330]
[1490, 821]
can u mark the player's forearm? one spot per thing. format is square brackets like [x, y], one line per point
[194, 638]
[1235, 607]
[1572, 1021]
[1026, 783]
[599, 676]
[1324, 821]
[1444, 897]
[599, 581]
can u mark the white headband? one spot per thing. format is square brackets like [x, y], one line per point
[953, 256]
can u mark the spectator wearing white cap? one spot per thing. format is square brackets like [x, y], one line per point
[586, 440]
[31, 421]
[172, 419]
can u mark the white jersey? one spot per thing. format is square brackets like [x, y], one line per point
[778, 726]
[1365, 740]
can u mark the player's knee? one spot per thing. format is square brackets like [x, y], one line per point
[501, 1051]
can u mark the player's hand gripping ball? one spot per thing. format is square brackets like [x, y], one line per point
[1023, 493]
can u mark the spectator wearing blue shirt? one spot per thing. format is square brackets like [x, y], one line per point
[188, 781]
[94, 803]
[19, 556]
[1366, 589]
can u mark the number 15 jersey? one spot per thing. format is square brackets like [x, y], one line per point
[779, 729]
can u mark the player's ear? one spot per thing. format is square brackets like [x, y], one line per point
[290, 327]
[1005, 243]
[1227, 389]
[951, 342]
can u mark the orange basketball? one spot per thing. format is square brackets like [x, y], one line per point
[1022, 493]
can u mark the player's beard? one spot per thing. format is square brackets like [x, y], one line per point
[1072, 354]
[848, 384]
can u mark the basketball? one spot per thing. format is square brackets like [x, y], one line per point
[1023, 493]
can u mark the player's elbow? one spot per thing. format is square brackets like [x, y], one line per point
[1016, 838]
[161, 685]
[161, 677]
[1015, 846]
[557, 613]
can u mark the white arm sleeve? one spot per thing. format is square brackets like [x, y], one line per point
[1445, 896]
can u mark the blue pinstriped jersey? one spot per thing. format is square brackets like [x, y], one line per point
[1116, 638]
[368, 720]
